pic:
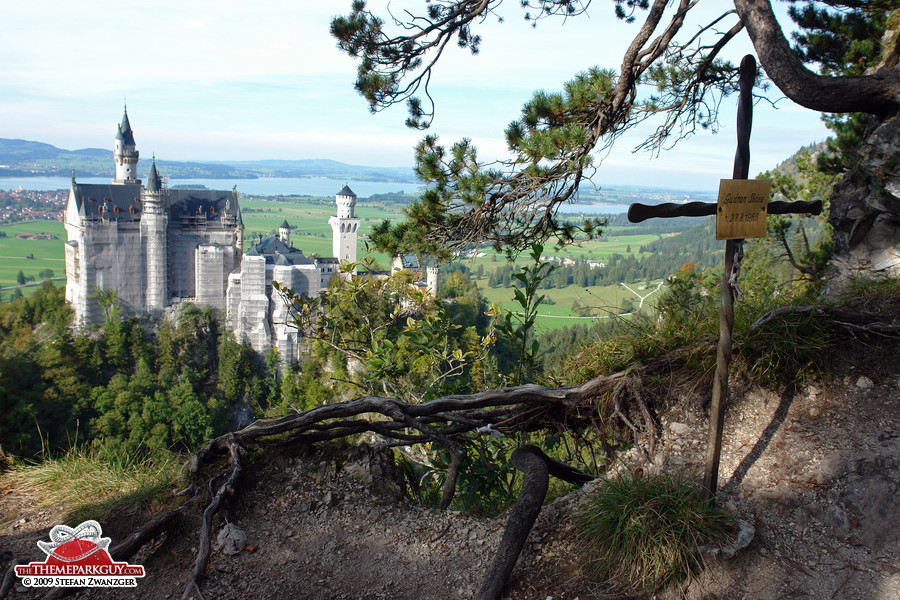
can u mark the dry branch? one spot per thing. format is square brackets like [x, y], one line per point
[522, 408]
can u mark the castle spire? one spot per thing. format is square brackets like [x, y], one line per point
[125, 153]
[153, 184]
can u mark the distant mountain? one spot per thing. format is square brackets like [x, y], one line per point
[23, 158]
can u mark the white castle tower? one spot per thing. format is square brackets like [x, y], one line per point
[125, 153]
[154, 224]
[345, 226]
[431, 279]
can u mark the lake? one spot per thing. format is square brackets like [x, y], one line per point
[265, 186]
[284, 186]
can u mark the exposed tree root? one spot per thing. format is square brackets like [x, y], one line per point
[851, 321]
[9, 578]
[445, 421]
[537, 468]
[227, 488]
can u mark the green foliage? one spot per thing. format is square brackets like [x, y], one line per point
[644, 532]
[687, 320]
[843, 38]
[139, 393]
[801, 241]
[404, 343]
[846, 41]
[518, 326]
[487, 483]
[788, 348]
[302, 387]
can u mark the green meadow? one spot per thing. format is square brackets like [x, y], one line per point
[312, 234]
[599, 301]
[309, 219]
[48, 254]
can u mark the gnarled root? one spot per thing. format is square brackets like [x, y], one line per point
[537, 468]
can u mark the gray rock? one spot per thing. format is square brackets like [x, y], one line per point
[231, 540]
[864, 383]
[679, 428]
[828, 468]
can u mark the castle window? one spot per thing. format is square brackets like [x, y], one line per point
[131, 210]
[116, 209]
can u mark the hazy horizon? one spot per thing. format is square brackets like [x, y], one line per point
[238, 84]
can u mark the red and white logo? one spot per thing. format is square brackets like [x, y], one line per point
[78, 557]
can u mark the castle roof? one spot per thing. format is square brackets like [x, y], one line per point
[277, 252]
[112, 201]
[284, 225]
[125, 134]
[190, 203]
[346, 191]
[153, 185]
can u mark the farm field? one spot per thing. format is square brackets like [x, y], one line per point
[48, 254]
[312, 234]
[309, 218]
[602, 301]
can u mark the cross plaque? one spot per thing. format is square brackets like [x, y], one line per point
[733, 254]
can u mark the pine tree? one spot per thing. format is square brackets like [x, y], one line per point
[515, 204]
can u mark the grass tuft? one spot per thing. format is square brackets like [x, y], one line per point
[642, 533]
[89, 481]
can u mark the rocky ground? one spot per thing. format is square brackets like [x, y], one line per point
[815, 471]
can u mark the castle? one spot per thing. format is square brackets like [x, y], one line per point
[157, 247]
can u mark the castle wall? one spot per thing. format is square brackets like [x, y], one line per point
[213, 264]
[302, 281]
[233, 303]
[254, 304]
[114, 251]
[182, 248]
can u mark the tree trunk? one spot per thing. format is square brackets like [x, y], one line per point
[877, 93]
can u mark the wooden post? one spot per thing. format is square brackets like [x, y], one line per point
[733, 253]
[734, 250]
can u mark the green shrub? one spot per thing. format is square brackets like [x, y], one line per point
[643, 532]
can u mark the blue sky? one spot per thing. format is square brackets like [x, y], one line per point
[227, 80]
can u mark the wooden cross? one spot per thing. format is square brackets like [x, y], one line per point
[733, 254]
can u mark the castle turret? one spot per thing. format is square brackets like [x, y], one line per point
[345, 226]
[431, 279]
[284, 233]
[154, 222]
[125, 153]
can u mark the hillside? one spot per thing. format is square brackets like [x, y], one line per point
[22, 158]
[814, 470]
[810, 461]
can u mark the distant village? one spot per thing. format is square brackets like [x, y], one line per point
[30, 205]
